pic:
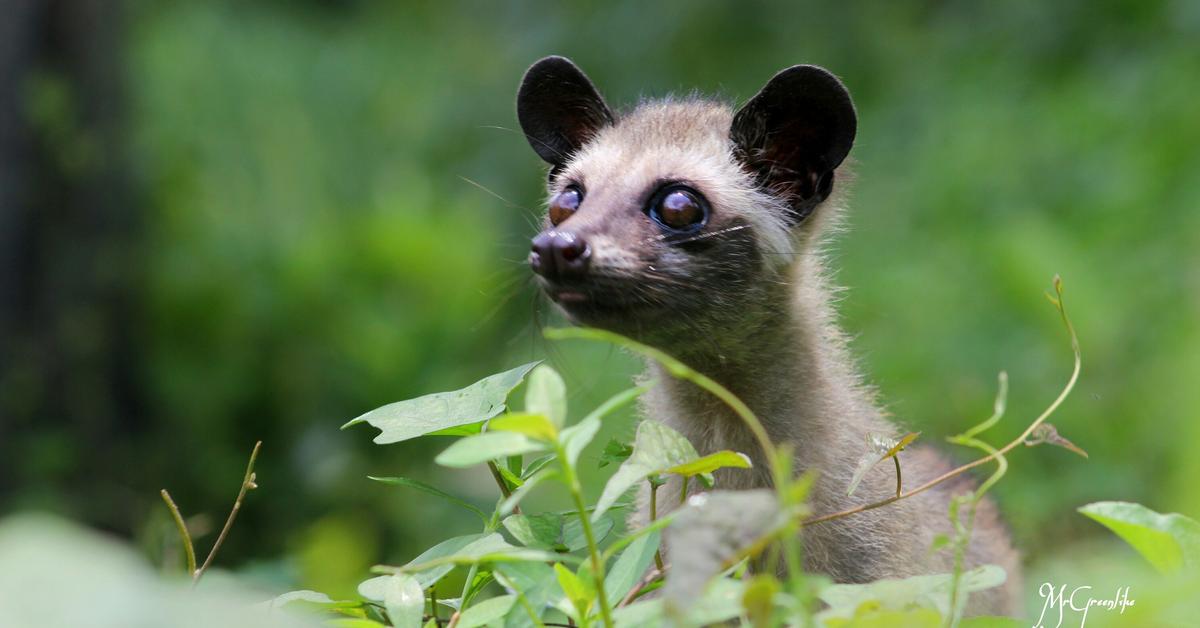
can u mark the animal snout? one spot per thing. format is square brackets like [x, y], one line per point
[559, 255]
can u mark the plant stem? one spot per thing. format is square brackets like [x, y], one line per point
[504, 490]
[463, 601]
[586, 523]
[997, 454]
[184, 536]
[654, 574]
[899, 482]
[247, 484]
[683, 490]
[658, 559]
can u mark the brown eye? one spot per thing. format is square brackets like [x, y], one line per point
[564, 204]
[679, 209]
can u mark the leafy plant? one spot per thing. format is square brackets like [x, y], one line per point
[547, 568]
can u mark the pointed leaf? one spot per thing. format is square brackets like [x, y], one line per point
[615, 451]
[630, 567]
[547, 395]
[656, 448]
[487, 611]
[478, 402]
[710, 463]
[480, 448]
[432, 490]
[537, 465]
[576, 591]
[1170, 542]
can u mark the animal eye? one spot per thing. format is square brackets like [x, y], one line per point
[679, 209]
[564, 204]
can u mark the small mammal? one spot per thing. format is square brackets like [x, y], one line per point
[699, 229]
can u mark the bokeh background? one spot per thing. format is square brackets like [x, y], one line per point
[226, 221]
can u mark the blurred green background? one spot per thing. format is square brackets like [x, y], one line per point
[228, 221]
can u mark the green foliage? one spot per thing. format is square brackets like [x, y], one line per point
[1170, 542]
[559, 563]
[659, 450]
[846, 601]
[449, 413]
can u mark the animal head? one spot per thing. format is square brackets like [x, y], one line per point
[677, 217]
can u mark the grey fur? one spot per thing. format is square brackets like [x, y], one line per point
[749, 304]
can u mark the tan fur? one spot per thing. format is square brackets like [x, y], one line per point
[774, 342]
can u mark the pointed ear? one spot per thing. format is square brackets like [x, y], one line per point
[559, 109]
[794, 133]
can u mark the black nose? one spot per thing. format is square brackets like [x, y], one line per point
[559, 255]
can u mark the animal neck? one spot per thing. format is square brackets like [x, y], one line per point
[786, 360]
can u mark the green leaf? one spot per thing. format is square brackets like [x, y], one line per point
[879, 448]
[373, 588]
[573, 536]
[487, 611]
[536, 582]
[478, 402]
[630, 567]
[354, 622]
[615, 451]
[553, 531]
[656, 448]
[511, 502]
[432, 490]
[576, 437]
[992, 622]
[759, 600]
[304, 595]
[404, 601]
[543, 530]
[315, 601]
[710, 463]
[721, 603]
[872, 616]
[726, 524]
[533, 425]
[927, 591]
[489, 549]
[537, 465]
[473, 450]
[547, 395]
[576, 591]
[1170, 542]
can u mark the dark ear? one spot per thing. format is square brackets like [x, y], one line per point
[794, 133]
[559, 109]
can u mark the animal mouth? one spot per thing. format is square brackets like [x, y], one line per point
[569, 296]
[592, 304]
